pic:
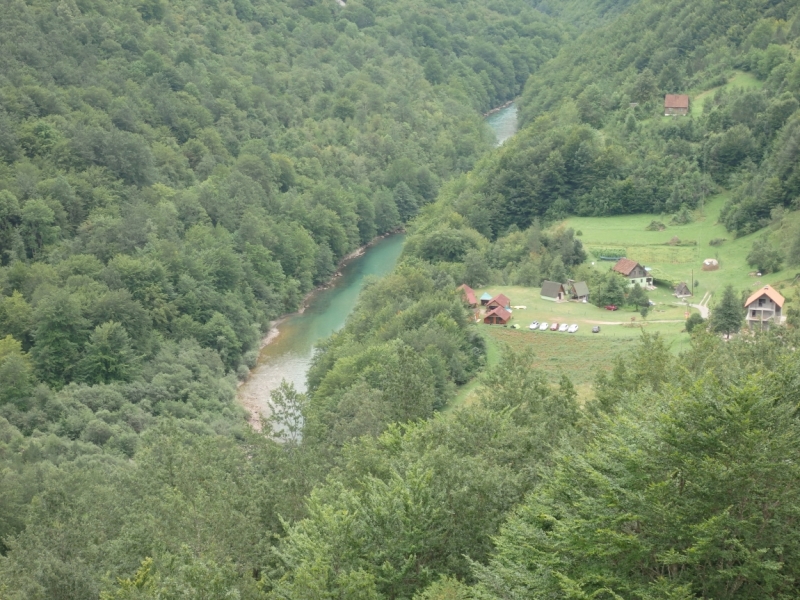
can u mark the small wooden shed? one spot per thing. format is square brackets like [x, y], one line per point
[580, 291]
[497, 316]
[485, 298]
[682, 290]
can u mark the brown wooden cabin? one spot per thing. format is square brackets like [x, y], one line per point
[676, 105]
[499, 301]
[497, 316]
[469, 295]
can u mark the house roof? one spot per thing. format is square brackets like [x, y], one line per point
[580, 288]
[501, 300]
[469, 293]
[551, 289]
[676, 101]
[625, 266]
[486, 296]
[771, 293]
[682, 287]
[499, 311]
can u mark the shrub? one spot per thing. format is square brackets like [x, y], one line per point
[693, 321]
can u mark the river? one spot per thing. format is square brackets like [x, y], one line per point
[503, 123]
[288, 356]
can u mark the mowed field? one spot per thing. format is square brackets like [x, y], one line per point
[582, 354]
[652, 249]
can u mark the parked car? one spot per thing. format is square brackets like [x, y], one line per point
[611, 307]
[563, 327]
[596, 329]
[543, 326]
[573, 328]
[554, 327]
[534, 326]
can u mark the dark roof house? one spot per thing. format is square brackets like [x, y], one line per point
[497, 316]
[676, 105]
[469, 295]
[682, 290]
[580, 291]
[553, 291]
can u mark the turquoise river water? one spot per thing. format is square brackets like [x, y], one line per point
[288, 355]
[503, 123]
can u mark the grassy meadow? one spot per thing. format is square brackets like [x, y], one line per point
[740, 80]
[582, 354]
[652, 249]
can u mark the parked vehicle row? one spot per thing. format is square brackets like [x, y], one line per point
[544, 326]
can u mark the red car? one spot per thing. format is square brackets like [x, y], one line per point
[611, 307]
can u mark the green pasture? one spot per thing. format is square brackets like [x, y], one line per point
[676, 263]
[579, 355]
[740, 79]
[583, 354]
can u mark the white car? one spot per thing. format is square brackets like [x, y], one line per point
[543, 326]
[534, 326]
[563, 327]
[573, 328]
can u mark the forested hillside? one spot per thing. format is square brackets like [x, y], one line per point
[594, 141]
[174, 175]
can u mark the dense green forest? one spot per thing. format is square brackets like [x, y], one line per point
[174, 175]
[594, 141]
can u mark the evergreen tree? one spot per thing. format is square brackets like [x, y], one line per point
[728, 314]
[638, 297]
[610, 291]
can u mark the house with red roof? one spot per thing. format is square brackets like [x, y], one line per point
[500, 301]
[469, 295]
[764, 308]
[633, 272]
[676, 105]
[497, 316]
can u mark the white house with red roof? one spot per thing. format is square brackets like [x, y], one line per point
[633, 272]
[764, 308]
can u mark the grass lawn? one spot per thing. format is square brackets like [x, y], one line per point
[580, 355]
[677, 262]
[740, 79]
